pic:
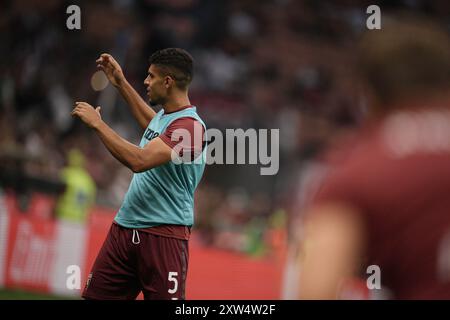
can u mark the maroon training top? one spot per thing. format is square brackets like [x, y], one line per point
[397, 173]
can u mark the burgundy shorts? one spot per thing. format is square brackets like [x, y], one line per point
[130, 262]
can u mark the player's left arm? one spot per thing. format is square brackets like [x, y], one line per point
[154, 154]
[331, 250]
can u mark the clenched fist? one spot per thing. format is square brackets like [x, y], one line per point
[111, 68]
[87, 113]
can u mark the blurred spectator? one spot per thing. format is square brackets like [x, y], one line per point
[79, 196]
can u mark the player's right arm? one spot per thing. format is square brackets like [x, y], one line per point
[332, 250]
[139, 108]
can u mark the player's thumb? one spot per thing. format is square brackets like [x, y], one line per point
[98, 109]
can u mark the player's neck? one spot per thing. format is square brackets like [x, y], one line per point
[176, 103]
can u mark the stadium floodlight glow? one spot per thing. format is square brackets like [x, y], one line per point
[99, 81]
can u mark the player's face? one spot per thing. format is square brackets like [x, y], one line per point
[156, 87]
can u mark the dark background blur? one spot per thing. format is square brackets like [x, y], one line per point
[259, 64]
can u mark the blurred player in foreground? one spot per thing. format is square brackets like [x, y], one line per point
[386, 199]
[146, 248]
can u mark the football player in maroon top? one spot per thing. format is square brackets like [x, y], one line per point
[383, 210]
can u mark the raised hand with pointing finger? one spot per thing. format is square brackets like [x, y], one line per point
[111, 68]
[87, 113]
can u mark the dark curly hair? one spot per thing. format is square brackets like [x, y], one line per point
[175, 62]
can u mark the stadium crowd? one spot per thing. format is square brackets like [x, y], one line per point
[259, 64]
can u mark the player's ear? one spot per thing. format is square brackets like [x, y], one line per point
[168, 81]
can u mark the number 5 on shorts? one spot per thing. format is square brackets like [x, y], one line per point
[172, 278]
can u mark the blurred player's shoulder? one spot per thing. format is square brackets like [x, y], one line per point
[408, 147]
[417, 132]
[345, 145]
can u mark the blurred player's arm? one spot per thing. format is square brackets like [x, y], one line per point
[139, 108]
[331, 251]
[155, 153]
